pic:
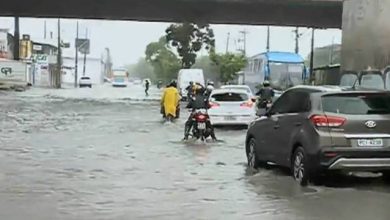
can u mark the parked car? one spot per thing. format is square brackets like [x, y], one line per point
[239, 87]
[85, 81]
[368, 79]
[231, 107]
[313, 130]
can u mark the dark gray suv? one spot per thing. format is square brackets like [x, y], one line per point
[313, 129]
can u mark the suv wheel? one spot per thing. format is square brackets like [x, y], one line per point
[300, 170]
[253, 161]
[386, 176]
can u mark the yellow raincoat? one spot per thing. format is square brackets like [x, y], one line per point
[170, 100]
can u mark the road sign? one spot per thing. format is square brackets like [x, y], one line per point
[83, 45]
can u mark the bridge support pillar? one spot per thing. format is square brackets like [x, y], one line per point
[366, 34]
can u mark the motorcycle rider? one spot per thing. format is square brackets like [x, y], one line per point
[209, 89]
[170, 100]
[266, 94]
[189, 90]
[198, 101]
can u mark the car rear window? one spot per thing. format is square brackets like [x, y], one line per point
[230, 97]
[357, 104]
[372, 81]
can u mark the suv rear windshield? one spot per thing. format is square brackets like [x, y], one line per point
[357, 104]
[230, 97]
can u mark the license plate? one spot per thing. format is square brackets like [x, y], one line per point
[230, 118]
[370, 143]
[202, 126]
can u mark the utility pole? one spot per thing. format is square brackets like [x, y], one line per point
[59, 58]
[85, 52]
[76, 63]
[297, 36]
[16, 39]
[44, 29]
[227, 42]
[268, 39]
[331, 52]
[244, 33]
[312, 56]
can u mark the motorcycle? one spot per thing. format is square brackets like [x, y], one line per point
[263, 106]
[200, 129]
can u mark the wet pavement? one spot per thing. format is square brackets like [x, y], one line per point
[92, 157]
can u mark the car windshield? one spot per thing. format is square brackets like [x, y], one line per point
[357, 104]
[348, 80]
[119, 79]
[285, 75]
[372, 81]
[229, 97]
[238, 88]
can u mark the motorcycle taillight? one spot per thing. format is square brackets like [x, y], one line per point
[201, 117]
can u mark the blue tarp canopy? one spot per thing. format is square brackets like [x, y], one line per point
[284, 57]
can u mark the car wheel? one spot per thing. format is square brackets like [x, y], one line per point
[300, 169]
[90, 86]
[253, 161]
[386, 176]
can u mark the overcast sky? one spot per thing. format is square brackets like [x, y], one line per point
[127, 40]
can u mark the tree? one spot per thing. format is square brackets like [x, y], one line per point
[210, 70]
[228, 65]
[188, 39]
[165, 63]
[142, 69]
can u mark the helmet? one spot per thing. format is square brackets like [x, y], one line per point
[210, 83]
[210, 87]
[266, 83]
[173, 83]
[191, 82]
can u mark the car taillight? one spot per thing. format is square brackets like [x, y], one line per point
[327, 121]
[248, 104]
[213, 105]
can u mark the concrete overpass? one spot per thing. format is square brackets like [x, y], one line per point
[306, 13]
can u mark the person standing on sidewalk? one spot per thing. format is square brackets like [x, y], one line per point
[147, 84]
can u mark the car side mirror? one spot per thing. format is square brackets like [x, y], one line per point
[253, 99]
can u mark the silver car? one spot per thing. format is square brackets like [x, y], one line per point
[313, 130]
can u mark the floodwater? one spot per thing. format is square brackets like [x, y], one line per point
[66, 158]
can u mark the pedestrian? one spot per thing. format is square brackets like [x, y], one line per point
[147, 84]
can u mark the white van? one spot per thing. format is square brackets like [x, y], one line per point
[186, 76]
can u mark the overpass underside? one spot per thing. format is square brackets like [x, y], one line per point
[306, 13]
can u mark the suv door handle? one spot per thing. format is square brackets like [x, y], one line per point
[298, 124]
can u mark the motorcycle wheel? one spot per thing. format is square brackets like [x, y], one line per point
[201, 135]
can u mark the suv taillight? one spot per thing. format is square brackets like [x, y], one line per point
[327, 121]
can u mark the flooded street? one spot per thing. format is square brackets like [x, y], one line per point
[82, 157]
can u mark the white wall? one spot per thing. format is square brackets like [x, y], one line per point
[93, 69]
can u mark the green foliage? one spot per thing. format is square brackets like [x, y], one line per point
[141, 69]
[165, 63]
[188, 39]
[323, 55]
[210, 70]
[228, 65]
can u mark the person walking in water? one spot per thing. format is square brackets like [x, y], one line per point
[147, 84]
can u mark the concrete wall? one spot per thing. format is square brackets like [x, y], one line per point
[318, 13]
[366, 34]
